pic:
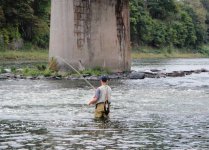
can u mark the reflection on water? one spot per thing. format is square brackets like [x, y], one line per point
[167, 113]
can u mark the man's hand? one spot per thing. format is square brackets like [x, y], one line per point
[89, 103]
[92, 101]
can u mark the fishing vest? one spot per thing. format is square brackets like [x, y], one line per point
[105, 91]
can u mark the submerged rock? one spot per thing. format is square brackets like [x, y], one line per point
[55, 78]
[188, 72]
[19, 77]
[114, 76]
[155, 70]
[136, 75]
[41, 77]
[92, 78]
[149, 74]
[31, 78]
[153, 73]
[176, 74]
[7, 75]
[204, 70]
[197, 71]
[3, 77]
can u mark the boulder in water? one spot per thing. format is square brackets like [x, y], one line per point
[155, 70]
[204, 70]
[7, 75]
[176, 74]
[136, 75]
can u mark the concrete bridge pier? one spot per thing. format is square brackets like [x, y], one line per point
[91, 33]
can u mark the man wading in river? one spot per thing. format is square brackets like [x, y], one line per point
[102, 99]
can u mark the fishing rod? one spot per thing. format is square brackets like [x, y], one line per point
[76, 71]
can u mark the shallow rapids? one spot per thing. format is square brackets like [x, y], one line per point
[165, 113]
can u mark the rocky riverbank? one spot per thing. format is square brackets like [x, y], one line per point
[134, 75]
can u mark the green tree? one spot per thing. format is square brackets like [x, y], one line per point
[159, 34]
[159, 23]
[26, 19]
[161, 9]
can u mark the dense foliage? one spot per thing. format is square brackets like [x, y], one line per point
[176, 23]
[156, 23]
[24, 20]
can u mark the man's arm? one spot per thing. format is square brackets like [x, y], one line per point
[95, 98]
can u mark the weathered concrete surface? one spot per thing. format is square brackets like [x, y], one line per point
[90, 33]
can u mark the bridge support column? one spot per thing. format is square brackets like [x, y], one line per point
[91, 33]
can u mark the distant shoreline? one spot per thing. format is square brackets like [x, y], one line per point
[141, 55]
[19, 69]
[42, 55]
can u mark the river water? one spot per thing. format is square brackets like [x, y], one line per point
[165, 113]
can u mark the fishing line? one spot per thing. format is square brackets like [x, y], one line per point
[76, 71]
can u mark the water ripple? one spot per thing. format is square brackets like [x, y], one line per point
[168, 113]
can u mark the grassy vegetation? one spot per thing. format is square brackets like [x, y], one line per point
[10, 55]
[141, 55]
[149, 52]
[41, 69]
[35, 71]
[96, 71]
[142, 52]
[46, 71]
